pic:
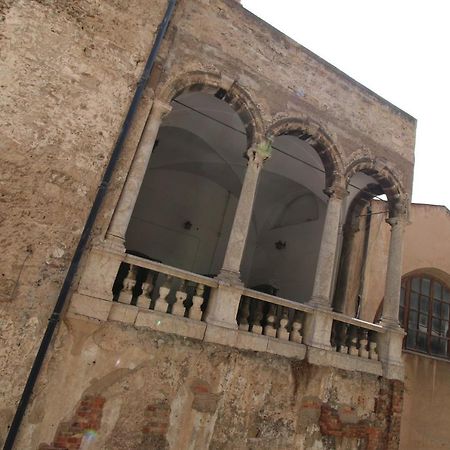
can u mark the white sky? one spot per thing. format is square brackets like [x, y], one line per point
[397, 48]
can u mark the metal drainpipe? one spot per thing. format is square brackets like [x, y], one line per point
[101, 192]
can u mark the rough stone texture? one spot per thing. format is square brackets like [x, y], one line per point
[69, 69]
[81, 429]
[158, 391]
[68, 73]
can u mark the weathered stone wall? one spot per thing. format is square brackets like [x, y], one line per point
[126, 388]
[67, 74]
[284, 78]
[69, 69]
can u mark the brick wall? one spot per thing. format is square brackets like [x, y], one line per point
[380, 432]
[85, 422]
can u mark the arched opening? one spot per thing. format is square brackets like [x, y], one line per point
[287, 222]
[372, 199]
[424, 311]
[185, 208]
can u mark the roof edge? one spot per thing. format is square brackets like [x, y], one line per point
[339, 72]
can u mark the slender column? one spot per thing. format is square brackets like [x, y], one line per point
[391, 302]
[224, 301]
[124, 209]
[321, 296]
[238, 236]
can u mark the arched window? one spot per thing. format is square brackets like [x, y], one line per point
[425, 315]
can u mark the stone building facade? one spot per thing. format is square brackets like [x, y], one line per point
[200, 314]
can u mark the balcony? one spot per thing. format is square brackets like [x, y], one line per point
[212, 190]
[152, 295]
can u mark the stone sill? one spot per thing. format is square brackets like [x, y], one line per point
[94, 308]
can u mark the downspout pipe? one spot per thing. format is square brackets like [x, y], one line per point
[73, 267]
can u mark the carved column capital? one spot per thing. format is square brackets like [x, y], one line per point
[338, 192]
[161, 108]
[260, 152]
[396, 221]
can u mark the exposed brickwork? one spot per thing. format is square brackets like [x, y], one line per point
[156, 424]
[87, 418]
[382, 432]
[204, 400]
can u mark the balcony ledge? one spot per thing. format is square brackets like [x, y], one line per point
[101, 310]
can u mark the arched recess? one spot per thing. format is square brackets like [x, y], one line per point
[289, 210]
[222, 88]
[364, 218]
[424, 311]
[186, 205]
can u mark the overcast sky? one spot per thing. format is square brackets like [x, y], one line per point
[397, 48]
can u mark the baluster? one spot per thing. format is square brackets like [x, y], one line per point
[270, 327]
[296, 332]
[144, 300]
[126, 293]
[161, 303]
[243, 314]
[195, 312]
[282, 332]
[178, 307]
[353, 341]
[342, 337]
[334, 336]
[363, 341]
[373, 350]
[257, 317]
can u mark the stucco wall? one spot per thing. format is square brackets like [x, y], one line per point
[426, 407]
[427, 240]
[426, 249]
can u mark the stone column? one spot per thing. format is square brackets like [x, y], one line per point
[321, 295]
[391, 302]
[224, 301]
[390, 342]
[318, 324]
[238, 235]
[124, 209]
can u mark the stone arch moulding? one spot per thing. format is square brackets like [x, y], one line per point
[388, 181]
[313, 134]
[224, 88]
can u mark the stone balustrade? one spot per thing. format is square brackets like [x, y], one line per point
[148, 294]
[355, 337]
[155, 286]
[267, 315]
